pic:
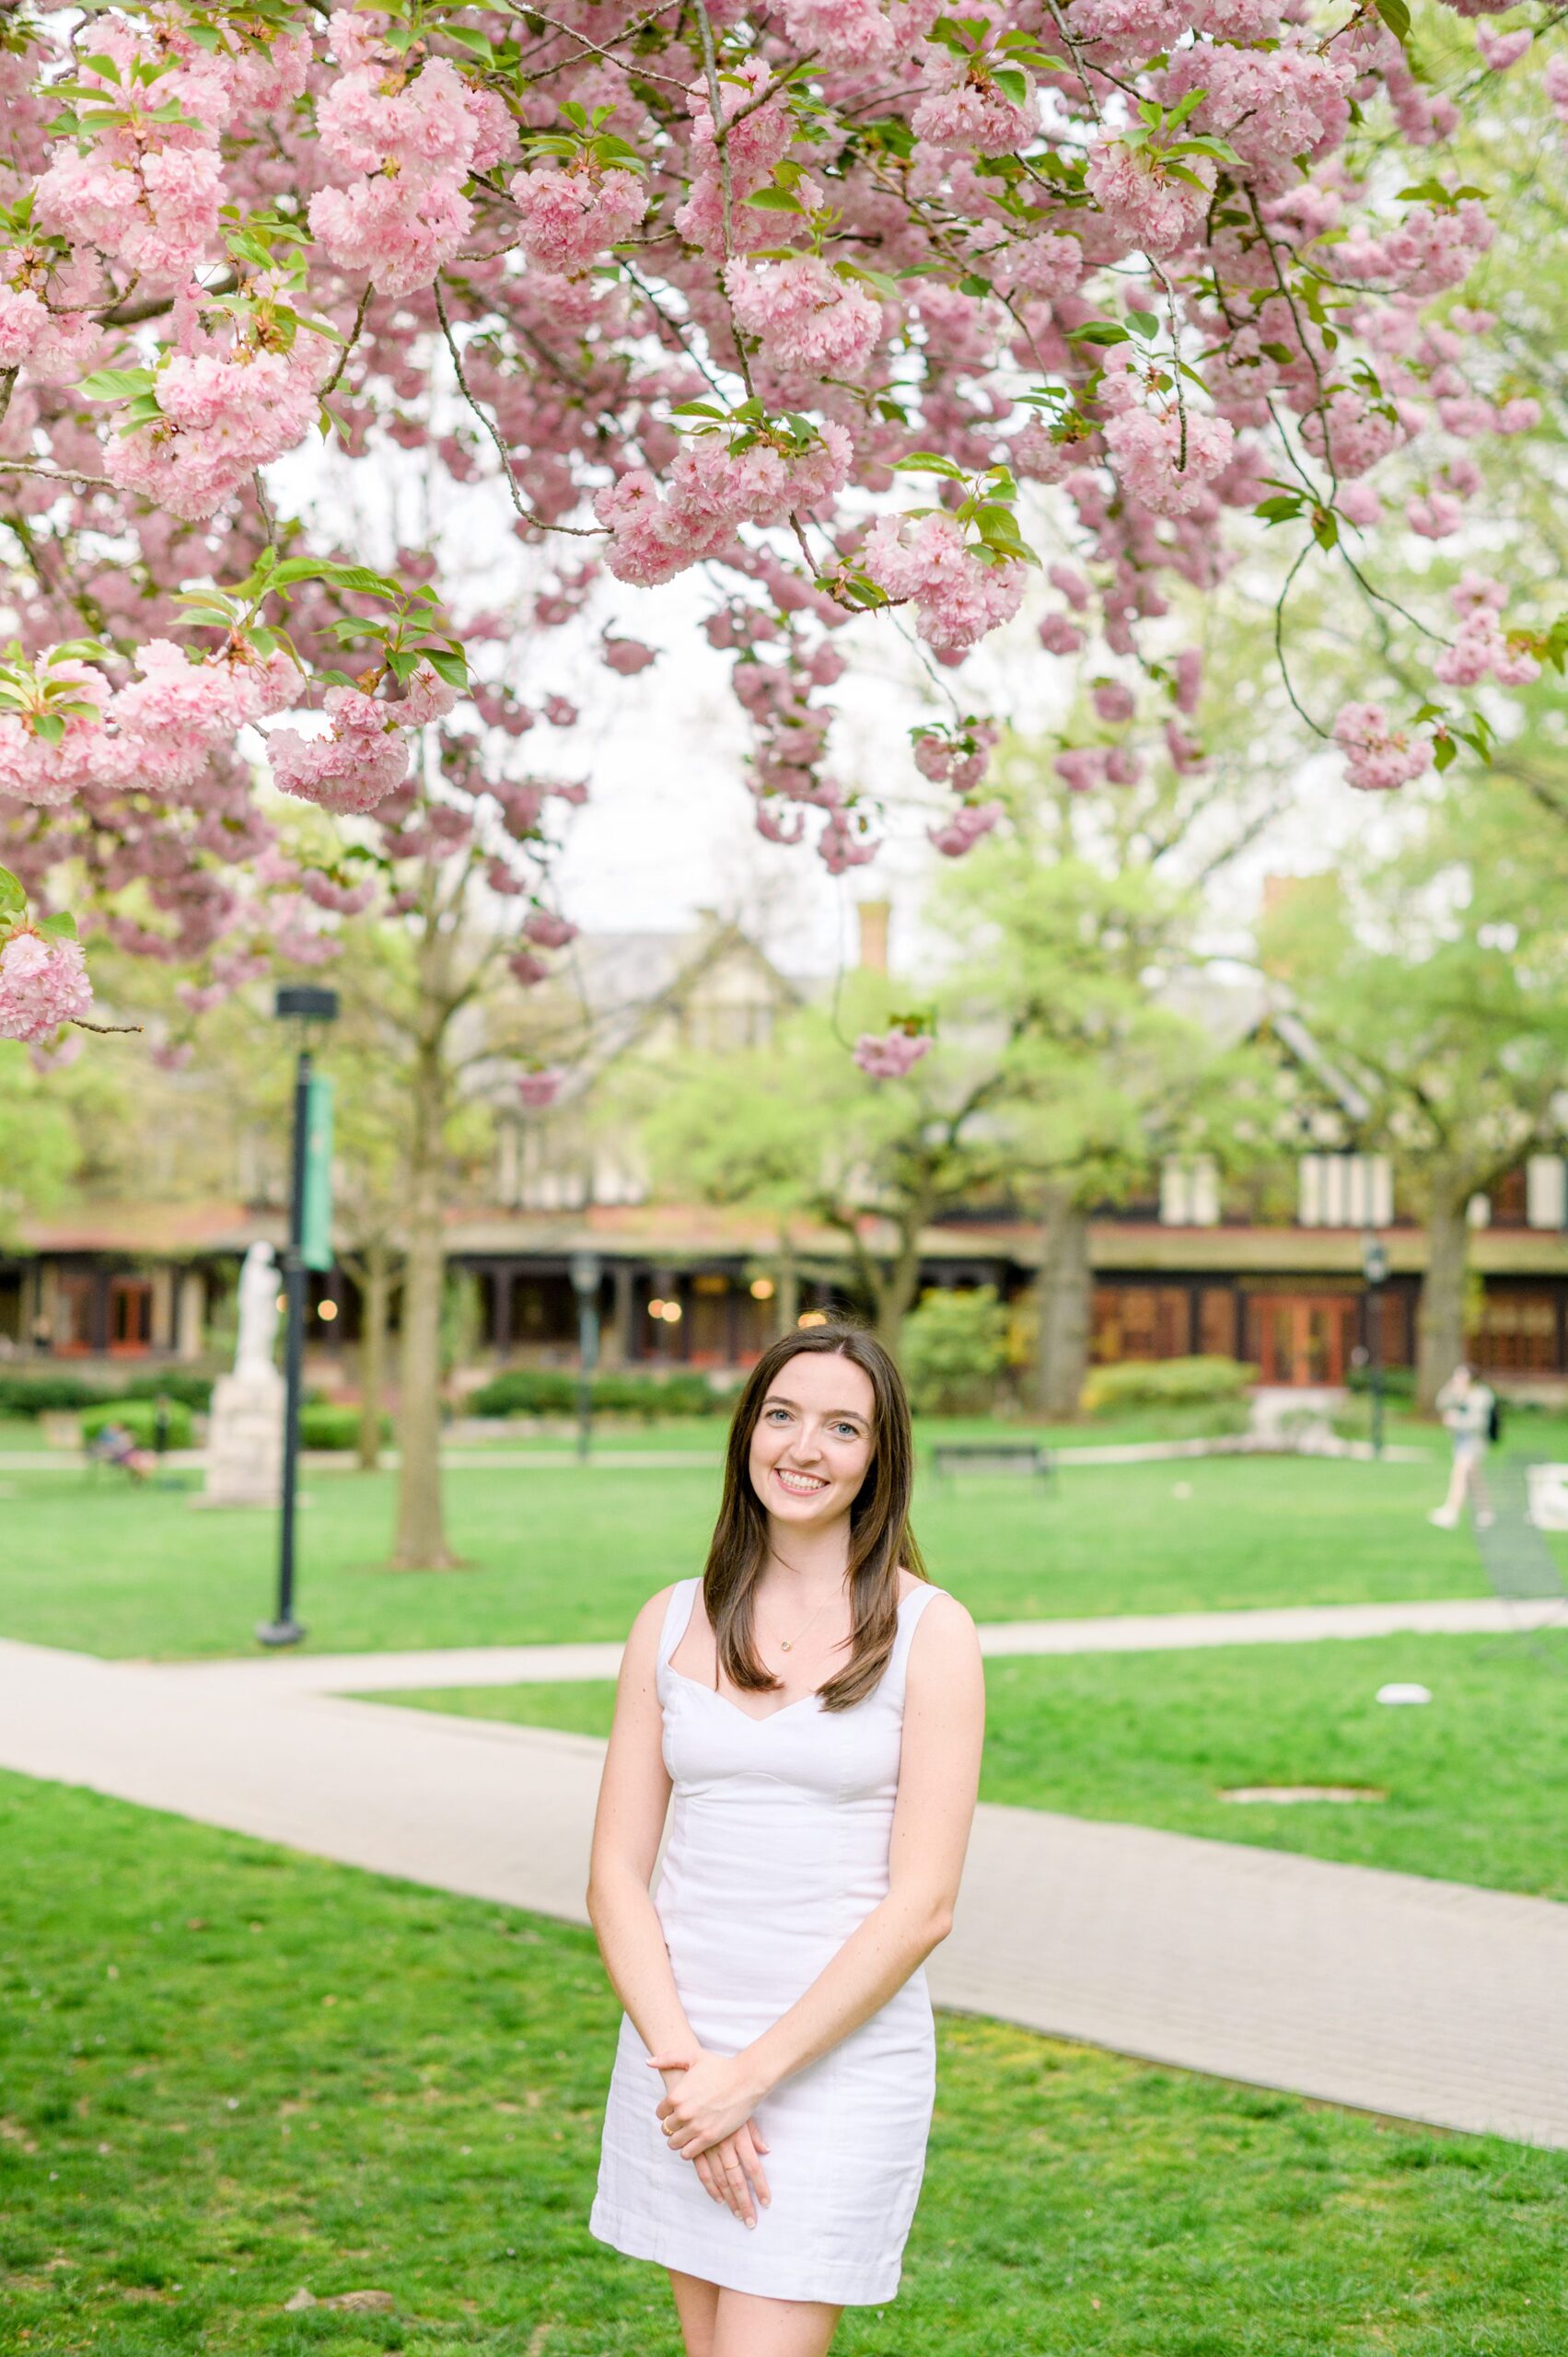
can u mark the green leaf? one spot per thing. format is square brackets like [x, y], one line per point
[50, 726]
[1011, 84]
[1142, 323]
[12, 896]
[775, 200]
[62, 925]
[1396, 15]
[1444, 752]
[117, 384]
[1104, 332]
[449, 664]
[928, 463]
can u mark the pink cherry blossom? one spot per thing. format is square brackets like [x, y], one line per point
[1378, 756]
[1151, 213]
[547, 931]
[969, 823]
[889, 1055]
[540, 1088]
[363, 758]
[43, 983]
[956, 596]
[808, 322]
[1159, 471]
[569, 219]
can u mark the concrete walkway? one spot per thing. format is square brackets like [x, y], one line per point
[1387, 1992]
[1128, 1632]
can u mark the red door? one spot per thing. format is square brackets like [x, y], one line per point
[1301, 1338]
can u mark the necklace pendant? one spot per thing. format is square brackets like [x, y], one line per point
[788, 1643]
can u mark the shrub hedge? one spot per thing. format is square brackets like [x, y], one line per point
[553, 1391]
[1164, 1383]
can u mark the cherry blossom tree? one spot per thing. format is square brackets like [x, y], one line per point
[828, 299]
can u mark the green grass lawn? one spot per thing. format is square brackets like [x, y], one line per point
[1476, 1780]
[228, 2071]
[563, 1553]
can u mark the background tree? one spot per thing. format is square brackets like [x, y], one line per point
[1438, 977]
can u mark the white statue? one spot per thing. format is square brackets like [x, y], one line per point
[258, 1314]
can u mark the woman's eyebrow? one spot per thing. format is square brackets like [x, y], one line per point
[777, 1399]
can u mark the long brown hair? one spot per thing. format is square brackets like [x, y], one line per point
[880, 1536]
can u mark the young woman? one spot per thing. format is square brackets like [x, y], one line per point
[817, 1707]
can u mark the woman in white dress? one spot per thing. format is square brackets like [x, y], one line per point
[817, 1708]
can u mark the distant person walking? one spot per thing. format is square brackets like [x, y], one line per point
[1469, 1408]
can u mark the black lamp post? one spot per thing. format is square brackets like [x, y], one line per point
[584, 1285]
[1375, 1268]
[307, 1004]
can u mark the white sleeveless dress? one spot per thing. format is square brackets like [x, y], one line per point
[778, 1849]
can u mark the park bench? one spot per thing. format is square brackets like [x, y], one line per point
[1027, 1456]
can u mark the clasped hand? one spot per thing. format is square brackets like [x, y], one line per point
[707, 2116]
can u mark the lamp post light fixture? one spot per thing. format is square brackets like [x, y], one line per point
[309, 1247]
[1375, 1269]
[584, 1285]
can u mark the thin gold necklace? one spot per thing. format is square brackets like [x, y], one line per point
[788, 1644]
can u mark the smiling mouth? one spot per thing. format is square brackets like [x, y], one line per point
[799, 1485]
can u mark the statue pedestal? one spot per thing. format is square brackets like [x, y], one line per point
[244, 1440]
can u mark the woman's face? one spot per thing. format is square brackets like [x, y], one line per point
[813, 1438]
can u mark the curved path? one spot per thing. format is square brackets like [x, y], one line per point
[1390, 1992]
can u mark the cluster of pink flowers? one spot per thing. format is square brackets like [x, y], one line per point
[1480, 649]
[540, 1088]
[961, 831]
[807, 320]
[144, 194]
[712, 491]
[412, 141]
[363, 757]
[1378, 756]
[1166, 476]
[221, 416]
[957, 756]
[43, 983]
[1151, 212]
[958, 597]
[841, 32]
[568, 219]
[889, 1055]
[968, 109]
[157, 734]
[757, 145]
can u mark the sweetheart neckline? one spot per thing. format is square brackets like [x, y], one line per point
[751, 1717]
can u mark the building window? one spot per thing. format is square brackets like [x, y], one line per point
[1546, 1192]
[1345, 1191]
[1190, 1192]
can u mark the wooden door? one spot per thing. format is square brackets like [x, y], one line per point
[1301, 1338]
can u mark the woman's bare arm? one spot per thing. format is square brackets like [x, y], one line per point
[938, 1781]
[633, 1797]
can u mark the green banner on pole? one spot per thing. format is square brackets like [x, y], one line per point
[316, 1229]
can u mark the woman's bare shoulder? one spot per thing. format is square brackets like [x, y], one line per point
[644, 1634]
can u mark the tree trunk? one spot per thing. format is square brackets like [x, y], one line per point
[421, 1542]
[374, 1308]
[1062, 1303]
[1440, 1329]
[786, 1291]
[896, 1291]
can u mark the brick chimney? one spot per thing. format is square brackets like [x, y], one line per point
[874, 917]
